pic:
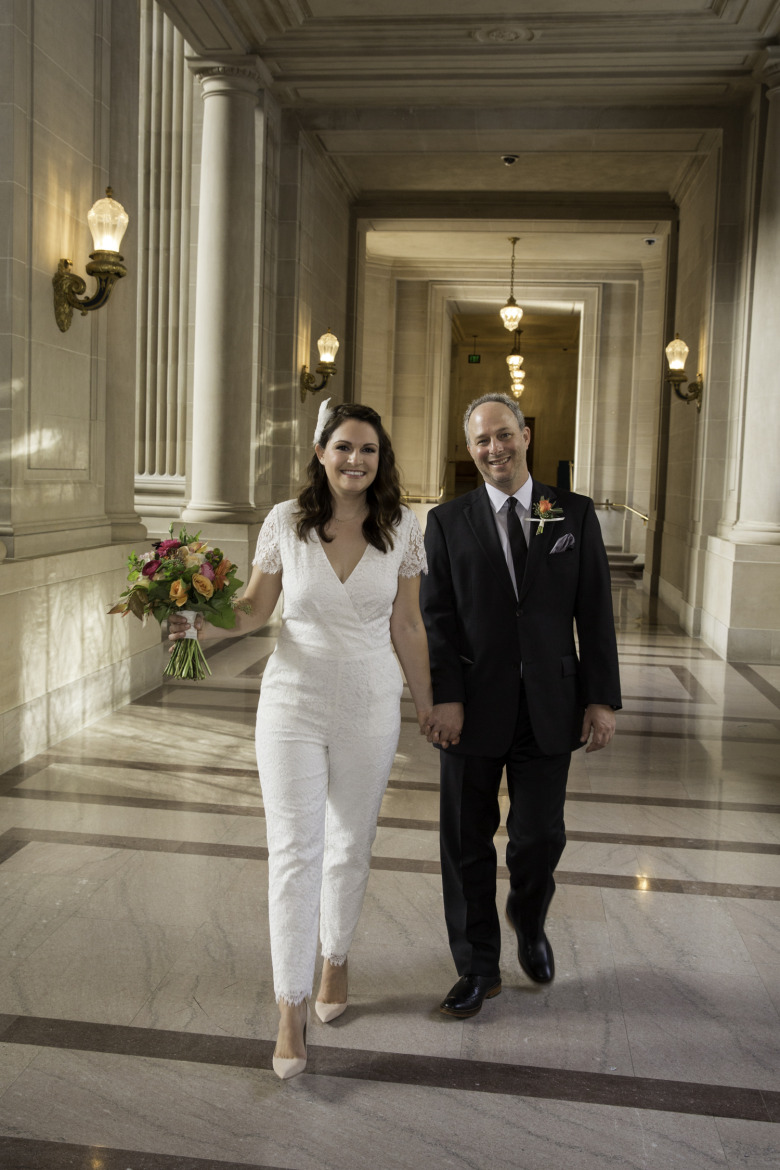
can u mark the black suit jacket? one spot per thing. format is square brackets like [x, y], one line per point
[482, 638]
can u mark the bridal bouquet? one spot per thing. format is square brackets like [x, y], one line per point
[182, 576]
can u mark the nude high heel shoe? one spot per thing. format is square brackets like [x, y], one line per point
[286, 1067]
[329, 1011]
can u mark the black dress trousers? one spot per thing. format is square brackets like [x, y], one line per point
[470, 816]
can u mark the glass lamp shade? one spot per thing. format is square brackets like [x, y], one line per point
[676, 353]
[517, 389]
[514, 361]
[511, 314]
[108, 222]
[328, 345]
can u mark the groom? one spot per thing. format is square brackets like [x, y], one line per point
[504, 590]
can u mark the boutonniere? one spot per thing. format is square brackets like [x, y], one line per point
[546, 512]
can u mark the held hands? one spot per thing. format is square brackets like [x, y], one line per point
[444, 724]
[599, 722]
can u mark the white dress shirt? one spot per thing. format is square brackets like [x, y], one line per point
[500, 510]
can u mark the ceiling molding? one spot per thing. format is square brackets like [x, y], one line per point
[368, 54]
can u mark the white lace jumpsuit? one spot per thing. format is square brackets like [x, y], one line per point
[327, 731]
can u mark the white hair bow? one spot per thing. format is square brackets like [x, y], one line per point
[323, 418]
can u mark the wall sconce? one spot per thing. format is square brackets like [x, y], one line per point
[514, 361]
[328, 345]
[107, 221]
[676, 353]
[511, 312]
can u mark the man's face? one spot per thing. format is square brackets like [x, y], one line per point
[498, 446]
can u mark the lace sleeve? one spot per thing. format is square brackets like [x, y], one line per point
[414, 560]
[268, 555]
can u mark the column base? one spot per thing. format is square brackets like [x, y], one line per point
[218, 513]
[751, 532]
[740, 616]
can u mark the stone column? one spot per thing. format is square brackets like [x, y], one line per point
[759, 503]
[222, 385]
[741, 595]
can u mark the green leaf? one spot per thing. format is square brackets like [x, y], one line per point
[223, 619]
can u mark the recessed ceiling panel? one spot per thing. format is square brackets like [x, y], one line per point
[653, 172]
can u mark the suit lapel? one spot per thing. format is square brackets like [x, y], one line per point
[479, 515]
[538, 545]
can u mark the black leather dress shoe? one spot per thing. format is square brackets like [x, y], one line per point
[465, 998]
[535, 956]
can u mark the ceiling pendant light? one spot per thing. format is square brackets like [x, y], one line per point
[514, 361]
[514, 357]
[511, 312]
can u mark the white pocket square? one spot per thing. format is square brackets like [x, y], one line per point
[562, 543]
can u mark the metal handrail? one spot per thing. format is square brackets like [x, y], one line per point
[424, 499]
[628, 508]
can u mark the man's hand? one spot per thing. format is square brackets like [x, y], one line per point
[600, 721]
[445, 724]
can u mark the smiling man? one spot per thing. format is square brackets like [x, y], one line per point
[513, 566]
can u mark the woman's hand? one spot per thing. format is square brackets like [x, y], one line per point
[178, 626]
[423, 718]
[445, 724]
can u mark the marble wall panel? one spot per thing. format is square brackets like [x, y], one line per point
[66, 660]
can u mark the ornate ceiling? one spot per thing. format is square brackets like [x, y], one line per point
[609, 106]
[363, 53]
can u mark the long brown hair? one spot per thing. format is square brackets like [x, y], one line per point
[383, 496]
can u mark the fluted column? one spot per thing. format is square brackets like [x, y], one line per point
[759, 502]
[222, 385]
[164, 232]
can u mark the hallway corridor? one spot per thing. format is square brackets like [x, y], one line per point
[136, 1010]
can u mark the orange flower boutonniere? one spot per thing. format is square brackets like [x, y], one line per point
[546, 512]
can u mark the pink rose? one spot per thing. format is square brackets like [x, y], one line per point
[167, 546]
[207, 571]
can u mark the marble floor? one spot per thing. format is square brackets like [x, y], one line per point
[136, 1011]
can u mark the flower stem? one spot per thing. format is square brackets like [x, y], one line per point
[187, 660]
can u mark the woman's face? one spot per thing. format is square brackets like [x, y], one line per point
[351, 458]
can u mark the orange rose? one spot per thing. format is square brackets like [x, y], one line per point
[544, 506]
[203, 585]
[221, 572]
[178, 592]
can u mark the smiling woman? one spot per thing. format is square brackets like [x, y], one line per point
[352, 471]
[348, 556]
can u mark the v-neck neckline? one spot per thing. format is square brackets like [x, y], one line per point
[356, 566]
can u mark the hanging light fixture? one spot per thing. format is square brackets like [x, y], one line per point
[511, 312]
[514, 357]
[514, 361]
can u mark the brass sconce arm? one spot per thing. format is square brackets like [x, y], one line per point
[309, 384]
[328, 346]
[69, 287]
[695, 389]
[107, 221]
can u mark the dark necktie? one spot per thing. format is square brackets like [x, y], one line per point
[517, 542]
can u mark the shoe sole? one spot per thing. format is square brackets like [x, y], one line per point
[466, 1015]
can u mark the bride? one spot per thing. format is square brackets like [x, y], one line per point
[348, 556]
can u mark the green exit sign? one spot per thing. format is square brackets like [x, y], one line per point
[474, 359]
